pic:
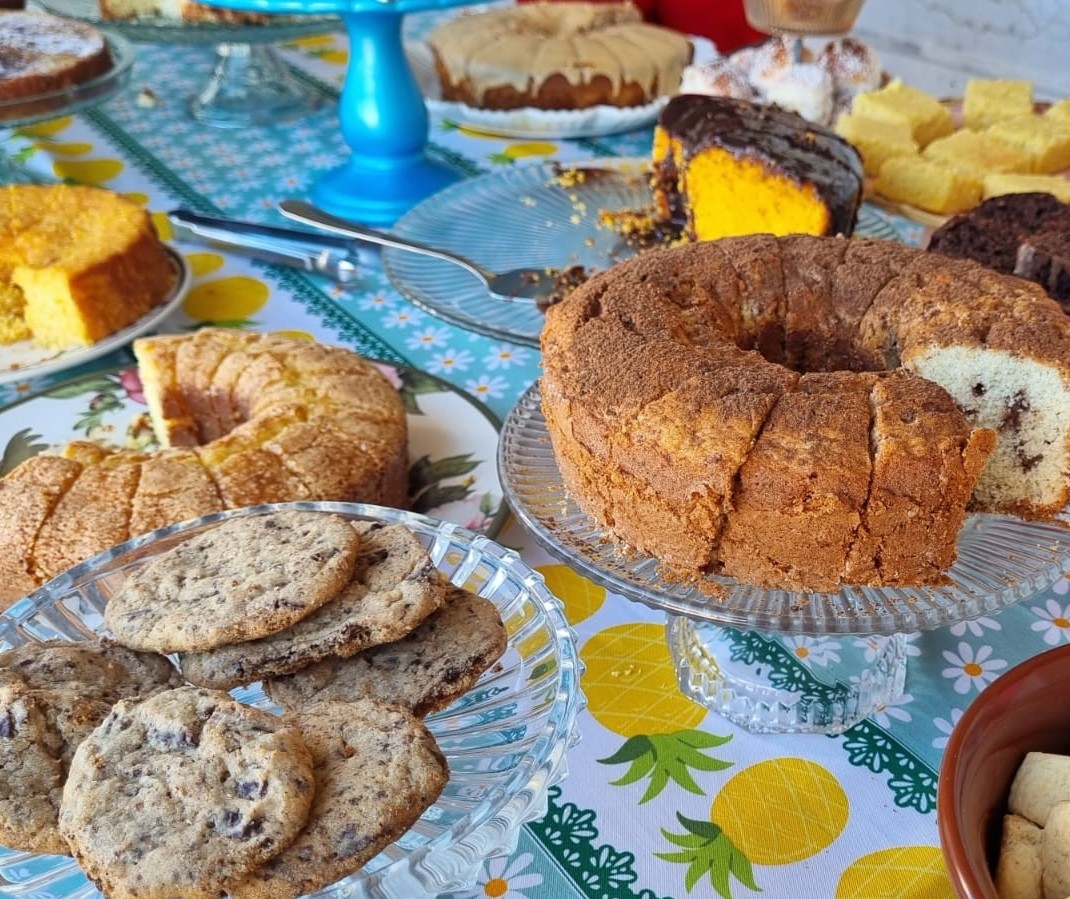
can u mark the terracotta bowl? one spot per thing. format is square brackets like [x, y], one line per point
[1024, 710]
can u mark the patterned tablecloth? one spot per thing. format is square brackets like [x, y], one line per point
[663, 798]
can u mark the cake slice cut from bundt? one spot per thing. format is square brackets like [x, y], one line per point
[801, 490]
[173, 486]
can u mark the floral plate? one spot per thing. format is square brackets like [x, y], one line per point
[452, 440]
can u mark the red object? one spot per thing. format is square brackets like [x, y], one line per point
[722, 21]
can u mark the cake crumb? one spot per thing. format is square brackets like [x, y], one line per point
[146, 99]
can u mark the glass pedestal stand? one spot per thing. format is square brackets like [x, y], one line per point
[742, 650]
[249, 85]
[761, 683]
[381, 112]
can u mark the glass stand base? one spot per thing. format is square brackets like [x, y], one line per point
[767, 683]
[250, 85]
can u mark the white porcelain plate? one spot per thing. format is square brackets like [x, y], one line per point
[27, 360]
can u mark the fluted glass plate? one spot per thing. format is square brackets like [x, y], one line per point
[1001, 560]
[532, 215]
[505, 740]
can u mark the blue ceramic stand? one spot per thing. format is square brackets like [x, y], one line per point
[382, 112]
[384, 121]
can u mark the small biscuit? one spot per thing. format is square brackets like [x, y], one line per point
[424, 671]
[377, 768]
[395, 586]
[177, 794]
[1018, 871]
[1042, 779]
[1055, 852]
[247, 578]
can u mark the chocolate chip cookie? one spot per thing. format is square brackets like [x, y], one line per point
[247, 578]
[395, 586]
[424, 671]
[377, 767]
[178, 794]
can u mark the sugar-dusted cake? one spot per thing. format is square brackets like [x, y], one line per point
[243, 418]
[557, 56]
[77, 263]
[41, 53]
[724, 166]
[805, 412]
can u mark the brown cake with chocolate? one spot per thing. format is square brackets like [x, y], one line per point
[725, 167]
[992, 232]
[805, 412]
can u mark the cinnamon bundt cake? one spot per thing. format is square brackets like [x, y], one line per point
[805, 412]
[243, 418]
[724, 167]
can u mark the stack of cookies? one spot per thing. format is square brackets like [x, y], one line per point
[172, 789]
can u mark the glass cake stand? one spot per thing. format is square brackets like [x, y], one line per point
[727, 638]
[382, 112]
[249, 83]
[23, 111]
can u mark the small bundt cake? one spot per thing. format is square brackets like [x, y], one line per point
[805, 412]
[557, 56]
[724, 166]
[243, 418]
[77, 263]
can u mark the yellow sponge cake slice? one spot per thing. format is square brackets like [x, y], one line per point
[925, 116]
[997, 183]
[928, 185]
[977, 153]
[989, 100]
[1045, 139]
[85, 261]
[877, 140]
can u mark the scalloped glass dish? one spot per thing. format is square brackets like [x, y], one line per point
[505, 740]
[25, 359]
[524, 216]
[1001, 560]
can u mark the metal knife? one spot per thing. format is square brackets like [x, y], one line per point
[338, 258]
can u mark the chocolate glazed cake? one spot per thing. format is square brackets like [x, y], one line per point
[725, 167]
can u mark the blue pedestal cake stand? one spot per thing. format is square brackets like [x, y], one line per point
[382, 113]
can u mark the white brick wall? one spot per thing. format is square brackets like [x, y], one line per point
[938, 44]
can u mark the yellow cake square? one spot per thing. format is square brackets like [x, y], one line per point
[876, 140]
[928, 185]
[1045, 139]
[978, 153]
[1059, 111]
[998, 183]
[901, 104]
[989, 100]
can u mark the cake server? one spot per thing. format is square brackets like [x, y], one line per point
[336, 257]
[519, 285]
